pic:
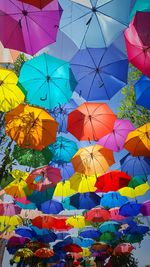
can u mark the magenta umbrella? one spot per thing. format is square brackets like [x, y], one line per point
[116, 139]
[145, 208]
[25, 28]
[9, 209]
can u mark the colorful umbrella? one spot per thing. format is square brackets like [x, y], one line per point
[138, 229]
[32, 158]
[11, 95]
[92, 160]
[72, 248]
[63, 150]
[24, 253]
[99, 73]
[43, 178]
[138, 141]
[137, 42]
[85, 201]
[37, 3]
[25, 231]
[66, 169]
[133, 238]
[7, 55]
[82, 183]
[116, 139]
[9, 209]
[77, 221]
[51, 82]
[99, 246]
[16, 241]
[134, 192]
[99, 22]
[83, 242]
[33, 28]
[51, 207]
[10, 222]
[109, 226]
[91, 121]
[39, 197]
[112, 200]
[140, 6]
[123, 248]
[130, 209]
[112, 181]
[97, 215]
[137, 180]
[89, 232]
[44, 253]
[145, 208]
[142, 91]
[63, 189]
[34, 245]
[31, 127]
[115, 215]
[44, 235]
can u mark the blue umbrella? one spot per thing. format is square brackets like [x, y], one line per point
[130, 209]
[63, 150]
[112, 200]
[51, 207]
[109, 226]
[25, 231]
[44, 235]
[50, 83]
[142, 92]
[30, 206]
[137, 230]
[66, 169]
[38, 197]
[135, 165]
[66, 204]
[60, 114]
[94, 23]
[83, 242]
[62, 235]
[100, 73]
[85, 201]
[90, 232]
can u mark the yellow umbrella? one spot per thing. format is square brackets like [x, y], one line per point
[92, 160]
[8, 55]
[24, 253]
[138, 141]
[77, 221]
[9, 221]
[85, 253]
[82, 183]
[139, 190]
[63, 189]
[10, 94]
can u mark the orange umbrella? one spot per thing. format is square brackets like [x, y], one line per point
[8, 55]
[138, 141]
[92, 160]
[44, 253]
[31, 127]
[91, 121]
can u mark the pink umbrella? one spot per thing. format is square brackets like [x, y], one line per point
[116, 139]
[26, 28]
[9, 209]
[145, 208]
[114, 214]
[123, 248]
[137, 39]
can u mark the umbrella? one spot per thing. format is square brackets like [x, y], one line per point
[138, 141]
[91, 121]
[116, 139]
[108, 238]
[99, 246]
[99, 22]
[89, 232]
[130, 209]
[25, 231]
[112, 200]
[44, 253]
[137, 180]
[140, 6]
[98, 72]
[33, 28]
[142, 91]
[85, 253]
[135, 191]
[83, 242]
[37, 3]
[115, 215]
[31, 127]
[82, 183]
[76, 221]
[60, 114]
[44, 235]
[92, 160]
[139, 229]
[10, 222]
[112, 181]
[7, 55]
[145, 208]
[137, 42]
[109, 226]
[16, 241]
[72, 248]
[123, 248]
[137, 238]
[11, 95]
[50, 83]
[66, 169]
[135, 165]
[39, 197]
[9, 209]
[63, 150]
[51, 222]
[34, 245]
[51, 207]
[85, 201]
[24, 253]
[30, 213]
[25, 204]
[43, 178]
[32, 158]
[97, 215]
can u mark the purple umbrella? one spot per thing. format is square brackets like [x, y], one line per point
[9, 209]
[115, 140]
[145, 208]
[35, 28]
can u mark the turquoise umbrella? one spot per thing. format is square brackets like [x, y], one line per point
[109, 226]
[48, 81]
[140, 5]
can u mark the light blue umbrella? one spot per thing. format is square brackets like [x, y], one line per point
[109, 226]
[112, 200]
[47, 80]
[94, 23]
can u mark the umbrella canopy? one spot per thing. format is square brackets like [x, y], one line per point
[10, 222]
[9, 209]
[89, 232]
[51, 207]
[31, 127]
[109, 226]
[51, 222]
[112, 181]
[77, 221]
[135, 165]
[97, 215]
[91, 121]
[145, 208]
[43, 178]
[63, 189]
[33, 28]
[72, 248]
[66, 169]
[63, 150]
[116, 139]
[136, 238]
[25, 231]
[39, 197]
[16, 241]
[103, 21]
[11, 95]
[130, 209]
[51, 81]
[7, 55]
[85, 201]
[112, 200]
[115, 215]
[24, 253]
[37, 3]
[44, 253]
[139, 229]
[82, 183]
[142, 91]
[137, 180]
[99, 246]
[140, 6]
[138, 141]
[92, 160]
[136, 191]
[123, 248]
[137, 42]
[98, 72]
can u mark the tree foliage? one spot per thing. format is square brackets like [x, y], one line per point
[124, 260]
[128, 109]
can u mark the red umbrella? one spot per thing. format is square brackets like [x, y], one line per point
[37, 3]
[97, 215]
[123, 248]
[112, 181]
[44, 253]
[51, 222]
[137, 39]
[91, 121]
[34, 245]
[73, 248]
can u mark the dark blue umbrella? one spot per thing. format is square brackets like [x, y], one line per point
[135, 165]
[44, 235]
[85, 201]
[51, 207]
[142, 92]
[130, 209]
[90, 232]
[40, 197]
[25, 231]
[137, 230]
[100, 73]
[62, 235]
[112, 200]
[66, 169]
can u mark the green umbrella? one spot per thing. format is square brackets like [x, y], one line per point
[32, 158]
[137, 180]
[140, 5]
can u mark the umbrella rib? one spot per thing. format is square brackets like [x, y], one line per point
[15, 5]
[75, 20]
